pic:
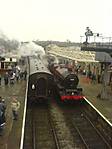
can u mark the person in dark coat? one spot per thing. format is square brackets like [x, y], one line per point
[2, 114]
[0, 79]
[6, 78]
[4, 109]
[25, 74]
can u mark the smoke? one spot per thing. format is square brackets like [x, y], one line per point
[30, 49]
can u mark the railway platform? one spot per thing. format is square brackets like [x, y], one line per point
[91, 91]
[11, 134]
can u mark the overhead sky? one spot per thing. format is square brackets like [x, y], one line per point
[54, 19]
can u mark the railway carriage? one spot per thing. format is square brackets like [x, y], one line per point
[40, 82]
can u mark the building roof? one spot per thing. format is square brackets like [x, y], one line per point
[73, 52]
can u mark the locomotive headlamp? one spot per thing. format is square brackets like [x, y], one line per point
[72, 93]
[33, 86]
[71, 79]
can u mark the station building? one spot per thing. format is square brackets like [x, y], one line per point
[7, 63]
[88, 60]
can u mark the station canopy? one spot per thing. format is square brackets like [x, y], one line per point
[73, 53]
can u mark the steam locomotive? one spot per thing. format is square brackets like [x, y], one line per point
[67, 84]
[40, 81]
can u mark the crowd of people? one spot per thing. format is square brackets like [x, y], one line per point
[10, 77]
[15, 74]
[93, 75]
[15, 105]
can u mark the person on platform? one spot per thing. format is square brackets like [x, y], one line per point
[4, 109]
[6, 78]
[0, 79]
[12, 78]
[15, 104]
[2, 113]
[25, 74]
[93, 78]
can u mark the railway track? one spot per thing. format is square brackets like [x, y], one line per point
[86, 135]
[62, 127]
[39, 130]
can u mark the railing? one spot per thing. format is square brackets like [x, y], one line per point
[98, 45]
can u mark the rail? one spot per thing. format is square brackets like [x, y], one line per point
[24, 114]
[105, 127]
[99, 133]
[54, 133]
[33, 133]
[82, 138]
[85, 129]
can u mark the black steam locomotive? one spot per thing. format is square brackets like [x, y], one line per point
[67, 84]
[40, 82]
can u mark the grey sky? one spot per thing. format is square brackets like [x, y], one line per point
[54, 19]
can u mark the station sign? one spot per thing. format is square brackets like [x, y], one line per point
[10, 60]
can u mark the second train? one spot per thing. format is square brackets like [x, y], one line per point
[67, 84]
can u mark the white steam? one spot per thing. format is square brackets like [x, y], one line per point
[30, 49]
